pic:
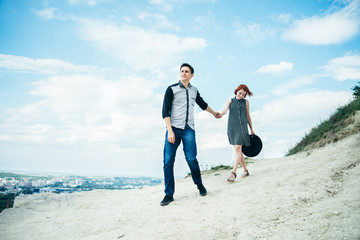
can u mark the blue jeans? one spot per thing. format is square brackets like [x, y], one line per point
[187, 136]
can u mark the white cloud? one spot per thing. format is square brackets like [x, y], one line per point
[344, 68]
[206, 23]
[299, 109]
[284, 17]
[286, 119]
[333, 28]
[226, 59]
[82, 103]
[294, 84]
[116, 121]
[276, 68]
[136, 47]
[88, 2]
[168, 5]
[91, 119]
[87, 95]
[158, 21]
[47, 13]
[253, 33]
[43, 66]
[87, 113]
[280, 123]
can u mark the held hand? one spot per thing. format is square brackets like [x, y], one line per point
[218, 115]
[252, 132]
[171, 137]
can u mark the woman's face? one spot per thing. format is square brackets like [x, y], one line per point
[240, 94]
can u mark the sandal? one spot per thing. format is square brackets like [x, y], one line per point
[230, 179]
[245, 174]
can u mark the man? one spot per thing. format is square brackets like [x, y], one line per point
[178, 114]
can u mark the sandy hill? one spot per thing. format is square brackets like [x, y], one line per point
[311, 195]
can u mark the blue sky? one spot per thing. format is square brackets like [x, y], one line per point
[82, 81]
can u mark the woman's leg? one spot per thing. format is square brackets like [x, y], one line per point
[239, 159]
[242, 160]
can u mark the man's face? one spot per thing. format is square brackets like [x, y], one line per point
[185, 74]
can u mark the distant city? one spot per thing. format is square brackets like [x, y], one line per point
[12, 184]
[29, 184]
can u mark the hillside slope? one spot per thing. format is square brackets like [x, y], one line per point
[310, 195]
[344, 122]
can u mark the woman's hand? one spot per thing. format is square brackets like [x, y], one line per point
[217, 115]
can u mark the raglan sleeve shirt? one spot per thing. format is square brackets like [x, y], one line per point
[179, 105]
[168, 98]
[200, 101]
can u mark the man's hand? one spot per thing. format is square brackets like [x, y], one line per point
[218, 115]
[171, 137]
[215, 114]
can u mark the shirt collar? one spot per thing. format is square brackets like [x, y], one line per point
[180, 85]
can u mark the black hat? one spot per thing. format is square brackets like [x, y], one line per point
[255, 146]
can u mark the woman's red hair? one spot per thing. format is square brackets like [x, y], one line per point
[243, 87]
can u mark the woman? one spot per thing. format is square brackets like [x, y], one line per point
[237, 130]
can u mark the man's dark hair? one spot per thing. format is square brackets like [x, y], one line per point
[189, 66]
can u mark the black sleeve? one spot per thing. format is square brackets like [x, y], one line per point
[200, 101]
[168, 98]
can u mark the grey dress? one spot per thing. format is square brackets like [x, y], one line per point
[237, 128]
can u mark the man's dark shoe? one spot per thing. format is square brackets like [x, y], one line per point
[202, 189]
[167, 199]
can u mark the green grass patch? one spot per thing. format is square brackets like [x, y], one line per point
[334, 124]
[223, 167]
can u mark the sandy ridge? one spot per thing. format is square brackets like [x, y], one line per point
[311, 195]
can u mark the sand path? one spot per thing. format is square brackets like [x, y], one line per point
[311, 195]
